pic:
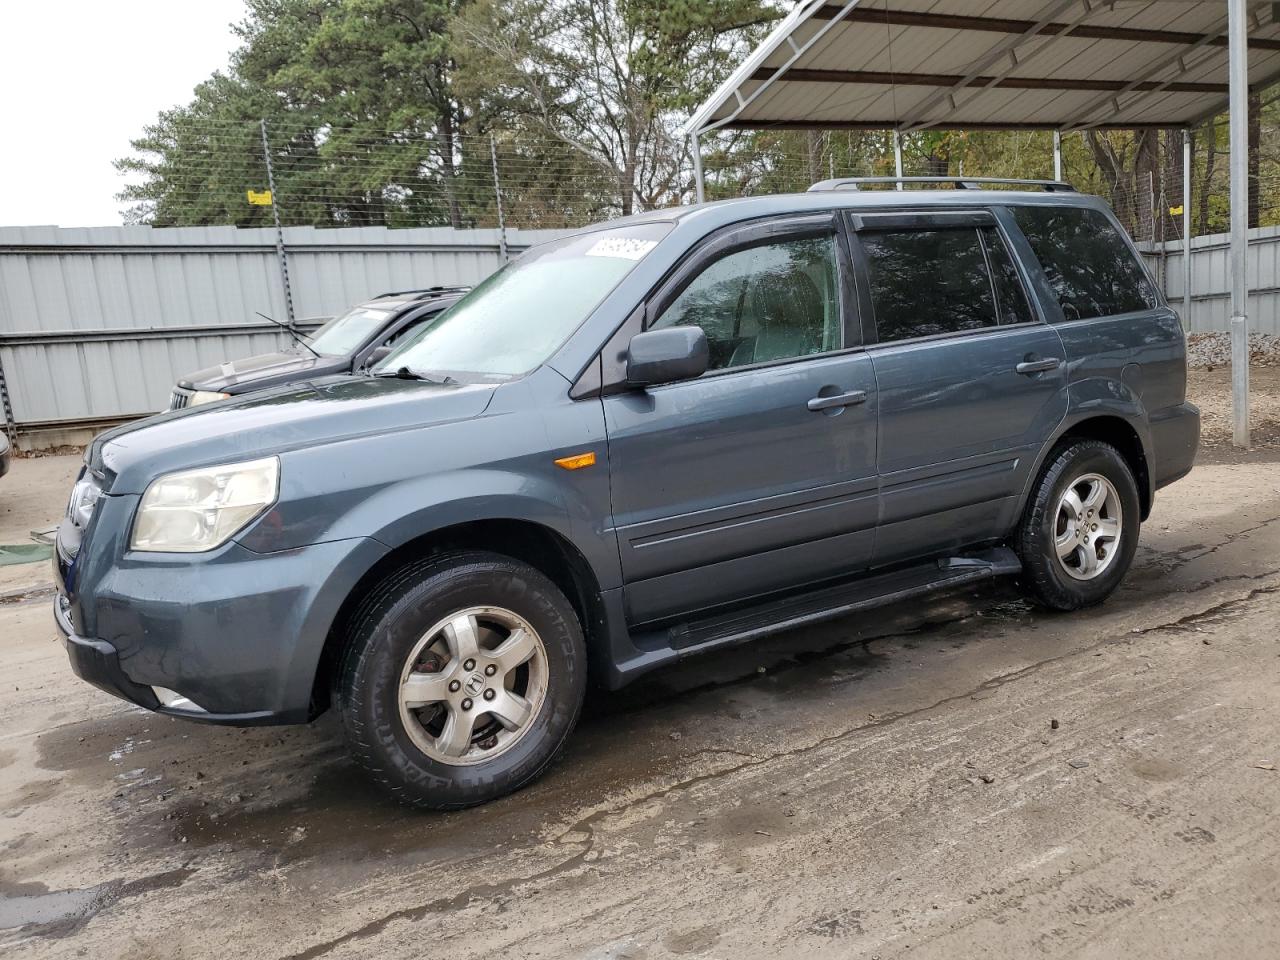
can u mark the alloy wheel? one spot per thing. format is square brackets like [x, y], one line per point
[1088, 527]
[473, 685]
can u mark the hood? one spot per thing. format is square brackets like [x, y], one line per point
[266, 366]
[276, 421]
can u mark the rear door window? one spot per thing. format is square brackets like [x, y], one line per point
[1087, 262]
[1011, 296]
[926, 282]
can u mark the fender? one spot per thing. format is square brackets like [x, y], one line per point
[1090, 399]
[492, 495]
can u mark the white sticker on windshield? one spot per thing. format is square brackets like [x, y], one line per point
[623, 248]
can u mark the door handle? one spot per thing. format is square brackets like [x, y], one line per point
[1028, 367]
[839, 400]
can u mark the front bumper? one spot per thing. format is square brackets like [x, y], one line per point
[96, 662]
[233, 637]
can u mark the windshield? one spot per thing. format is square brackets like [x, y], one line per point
[342, 335]
[516, 319]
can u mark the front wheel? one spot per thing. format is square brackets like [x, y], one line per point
[1080, 531]
[464, 675]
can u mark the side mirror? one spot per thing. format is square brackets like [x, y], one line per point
[378, 355]
[665, 356]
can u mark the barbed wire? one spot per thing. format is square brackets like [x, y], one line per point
[210, 171]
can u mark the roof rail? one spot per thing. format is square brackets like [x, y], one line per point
[422, 292]
[960, 183]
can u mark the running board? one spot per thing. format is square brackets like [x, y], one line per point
[828, 603]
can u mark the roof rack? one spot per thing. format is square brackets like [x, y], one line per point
[422, 293]
[960, 183]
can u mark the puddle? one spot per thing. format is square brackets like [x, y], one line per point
[339, 809]
[35, 911]
[1014, 611]
[130, 744]
[46, 909]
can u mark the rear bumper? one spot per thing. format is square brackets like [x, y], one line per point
[1175, 439]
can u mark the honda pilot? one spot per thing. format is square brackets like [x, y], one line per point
[658, 437]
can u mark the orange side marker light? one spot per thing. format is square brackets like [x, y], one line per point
[577, 461]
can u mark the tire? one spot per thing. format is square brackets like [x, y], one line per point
[1094, 563]
[469, 596]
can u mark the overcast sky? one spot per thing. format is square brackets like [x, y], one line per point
[78, 80]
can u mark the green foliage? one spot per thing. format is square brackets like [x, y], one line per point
[362, 122]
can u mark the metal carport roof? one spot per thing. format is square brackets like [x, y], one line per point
[1026, 64]
[1060, 65]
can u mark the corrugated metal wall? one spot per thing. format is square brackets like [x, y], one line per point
[1210, 287]
[99, 322]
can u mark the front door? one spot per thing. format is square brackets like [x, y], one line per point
[971, 381]
[759, 475]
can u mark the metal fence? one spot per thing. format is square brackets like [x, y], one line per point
[1210, 282]
[96, 323]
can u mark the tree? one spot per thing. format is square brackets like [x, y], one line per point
[198, 161]
[608, 79]
[358, 96]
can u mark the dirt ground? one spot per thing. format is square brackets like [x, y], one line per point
[890, 785]
[1211, 390]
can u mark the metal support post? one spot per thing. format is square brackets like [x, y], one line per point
[1057, 154]
[699, 186]
[281, 254]
[897, 158]
[6, 408]
[1238, 73]
[1186, 229]
[497, 194]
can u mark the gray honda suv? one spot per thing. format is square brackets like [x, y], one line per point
[658, 437]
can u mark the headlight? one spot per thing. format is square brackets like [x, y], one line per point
[84, 498]
[205, 396]
[197, 510]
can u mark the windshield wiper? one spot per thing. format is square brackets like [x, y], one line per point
[292, 332]
[404, 373]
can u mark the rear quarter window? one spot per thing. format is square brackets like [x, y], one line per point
[1090, 267]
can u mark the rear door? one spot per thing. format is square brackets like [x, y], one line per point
[759, 475]
[971, 379]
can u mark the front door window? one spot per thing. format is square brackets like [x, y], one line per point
[774, 301]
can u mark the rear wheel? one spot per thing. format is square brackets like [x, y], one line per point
[464, 676]
[1080, 531]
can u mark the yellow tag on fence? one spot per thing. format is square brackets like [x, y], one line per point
[1175, 211]
[259, 198]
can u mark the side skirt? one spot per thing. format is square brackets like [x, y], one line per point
[658, 647]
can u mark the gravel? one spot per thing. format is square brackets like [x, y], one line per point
[1209, 350]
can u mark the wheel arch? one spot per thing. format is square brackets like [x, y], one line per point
[543, 548]
[1111, 427]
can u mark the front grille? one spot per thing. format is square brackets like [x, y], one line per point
[179, 399]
